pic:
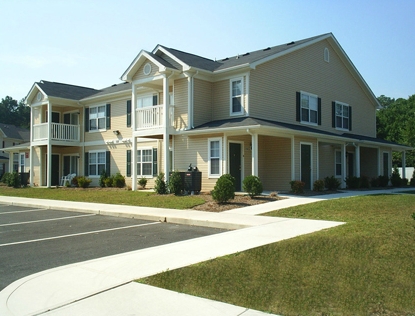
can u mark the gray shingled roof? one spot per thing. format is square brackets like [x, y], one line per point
[15, 132]
[65, 91]
[247, 58]
[112, 89]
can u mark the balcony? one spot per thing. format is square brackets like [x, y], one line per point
[59, 132]
[152, 117]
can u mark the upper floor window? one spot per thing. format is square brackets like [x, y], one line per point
[342, 115]
[308, 108]
[326, 55]
[215, 153]
[236, 96]
[97, 118]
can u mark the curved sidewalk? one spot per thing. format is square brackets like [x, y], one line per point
[103, 286]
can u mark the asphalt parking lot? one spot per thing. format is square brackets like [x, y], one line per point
[33, 239]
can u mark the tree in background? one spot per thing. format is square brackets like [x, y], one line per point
[14, 112]
[395, 122]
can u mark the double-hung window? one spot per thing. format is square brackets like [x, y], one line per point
[342, 115]
[97, 161]
[237, 92]
[145, 162]
[97, 118]
[309, 108]
[215, 153]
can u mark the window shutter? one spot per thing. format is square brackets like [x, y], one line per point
[155, 99]
[350, 118]
[129, 113]
[108, 116]
[155, 162]
[319, 111]
[86, 164]
[333, 114]
[128, 163]
[298, 119]
[67, 118]
[86, 119]
[108, 163]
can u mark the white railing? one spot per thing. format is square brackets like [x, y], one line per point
[62, 132]
[152, 117]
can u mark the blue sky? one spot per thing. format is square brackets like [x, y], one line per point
[91, 43]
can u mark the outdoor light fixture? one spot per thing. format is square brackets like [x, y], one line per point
[116, 132]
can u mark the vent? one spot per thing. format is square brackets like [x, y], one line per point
[246, 54]
[292, 43]
[225, 59]
[268, 48]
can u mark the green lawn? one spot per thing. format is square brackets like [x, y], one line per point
[109, 196]
[365, 267]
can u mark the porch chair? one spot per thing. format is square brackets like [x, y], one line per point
[68, 178]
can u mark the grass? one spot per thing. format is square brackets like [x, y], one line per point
[108, 196]
[365, 267]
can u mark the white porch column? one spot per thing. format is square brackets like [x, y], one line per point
[254, 141]
[134, 164]
[31, 166]
[49, 148]
[133, 109]
[357, 159]
[11, 160]
[404, 164]
[166, 135]
[225, 154]
[343, 153]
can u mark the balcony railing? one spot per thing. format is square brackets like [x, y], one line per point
[61, 132]
[152, 117]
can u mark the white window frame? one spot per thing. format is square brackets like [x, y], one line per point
[326, 55]
[342, 105]
[308, 95]
[336, 163]
[97, 163]
[97, 107]
[22, 159]
[210, 157]
[139, 166]
[145, 96]
[232, 96]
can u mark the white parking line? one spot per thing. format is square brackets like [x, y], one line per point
[33, 210]
[46, 220]
[78, 234]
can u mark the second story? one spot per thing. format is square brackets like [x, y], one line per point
[11, 135]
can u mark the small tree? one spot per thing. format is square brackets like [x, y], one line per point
[118, 180]
[224, 189]
[175, 183]
[396, 177]
[252, 185]
[142, 182]
[412, 183]
[103, 176]
[160, 185]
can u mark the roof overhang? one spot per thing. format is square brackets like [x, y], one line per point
[32, 94]
[16, 148]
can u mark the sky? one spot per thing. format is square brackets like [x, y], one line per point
[91, 43]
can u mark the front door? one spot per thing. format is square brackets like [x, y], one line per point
[55, 170]
[235, 164]
[350, 164]
[306, 165]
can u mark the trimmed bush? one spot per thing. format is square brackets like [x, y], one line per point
[12, 179]
[224, 189]
[160, 185]
[118, 180]
[364, 182]
[318, 185]
[383, 181]
[353, 182]
[175, 184]
[252, 185]
[108, 182]
[374, 182]
[404, 182]
[84, 182]
[5, 177]
[102, 177]
[142, 182]
[297, 187]
[75, 181]
[331, 183]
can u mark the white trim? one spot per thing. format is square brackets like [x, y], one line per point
[213, 139]
[97, 118]
[242, 96]
[301, 109]
[342, 116]
[141, 162]
[96, 176]
[326, 55]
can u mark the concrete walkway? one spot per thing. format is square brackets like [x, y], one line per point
[104, 286]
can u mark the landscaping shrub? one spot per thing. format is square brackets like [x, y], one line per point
[318, 185]
[103, 176]
[84, 182]
[118, 180]
[160, 185]
[142, 182]
[364, 182]
[297, 186]
[352, 182]
[383, 181]
[374, 182]
[75, 181]
[5, 177]
[224, 189]
[108, 182]
[175, 184]
[12, 179]
[331, 183]
[396, 179]
[252, 185]
[404, 182]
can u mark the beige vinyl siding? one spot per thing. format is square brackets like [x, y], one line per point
[274, 162]
[180, 104]
[273, 88]
[326, 157]
[220, 107]
[202, 102]
[140, 74]
[368, 167]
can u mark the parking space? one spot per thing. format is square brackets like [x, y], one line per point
[33, 240]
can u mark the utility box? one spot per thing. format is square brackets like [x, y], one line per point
[193, 181]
